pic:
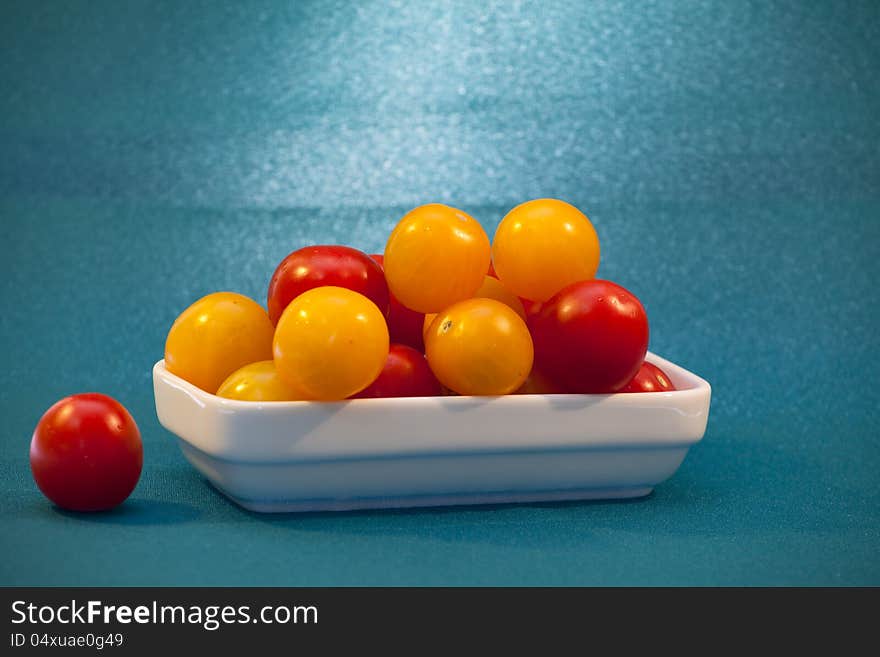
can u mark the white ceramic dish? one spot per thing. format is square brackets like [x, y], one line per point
[429, 451]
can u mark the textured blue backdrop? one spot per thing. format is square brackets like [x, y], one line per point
[151, 152]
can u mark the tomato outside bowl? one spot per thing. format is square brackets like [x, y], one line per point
[435, 451]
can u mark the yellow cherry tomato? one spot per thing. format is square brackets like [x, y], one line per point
[543, 245]
[436, 256]
[479, 347]
[258, 382]
[426, 325]
[215, 336]
[330, 343]
[491, 288]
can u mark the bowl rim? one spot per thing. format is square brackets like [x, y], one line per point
[697, 386]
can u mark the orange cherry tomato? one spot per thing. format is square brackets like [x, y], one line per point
[479, 347]
[215, 336]
[258, 382]
[491, 288]
[330, 343]
[436, 256]
[543, 245]
[426, 326]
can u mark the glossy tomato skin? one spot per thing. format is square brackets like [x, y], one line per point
[317, 266]
[330, 343]
[86, 453]
[436, 256]
[590, 337]
[649, 378]
[406, 374]
[531, 307]
[491, 288]
[543, 245]
[404, 325]
[479, 347]
[215, 336]
[258, 382]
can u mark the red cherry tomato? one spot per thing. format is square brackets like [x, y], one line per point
[531, 307]
[317, 266]
[86, 453]
[404, 325]
[649, 378]
[406, 374]
[590, 337]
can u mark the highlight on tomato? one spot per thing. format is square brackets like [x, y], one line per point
[479, 347]
[436, 255]
[590, 337]
[323, 265]
[330, 343]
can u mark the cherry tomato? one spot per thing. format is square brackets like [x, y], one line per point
[436, 256]
[317, 266]
[531, 307]
[539, 384]
[404, 325]
[258, 382]
[649, 378]
[215, 336]
[491, 288]
[543, 245]
[330, 343]
[86, 453]
[590, 337]
[406, 374]
[479, 347]
[429, 319]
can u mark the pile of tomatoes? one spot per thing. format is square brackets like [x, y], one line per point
[442, 311]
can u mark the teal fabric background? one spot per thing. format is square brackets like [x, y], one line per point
[152, 152]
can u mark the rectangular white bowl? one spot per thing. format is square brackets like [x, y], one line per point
[429, 451]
